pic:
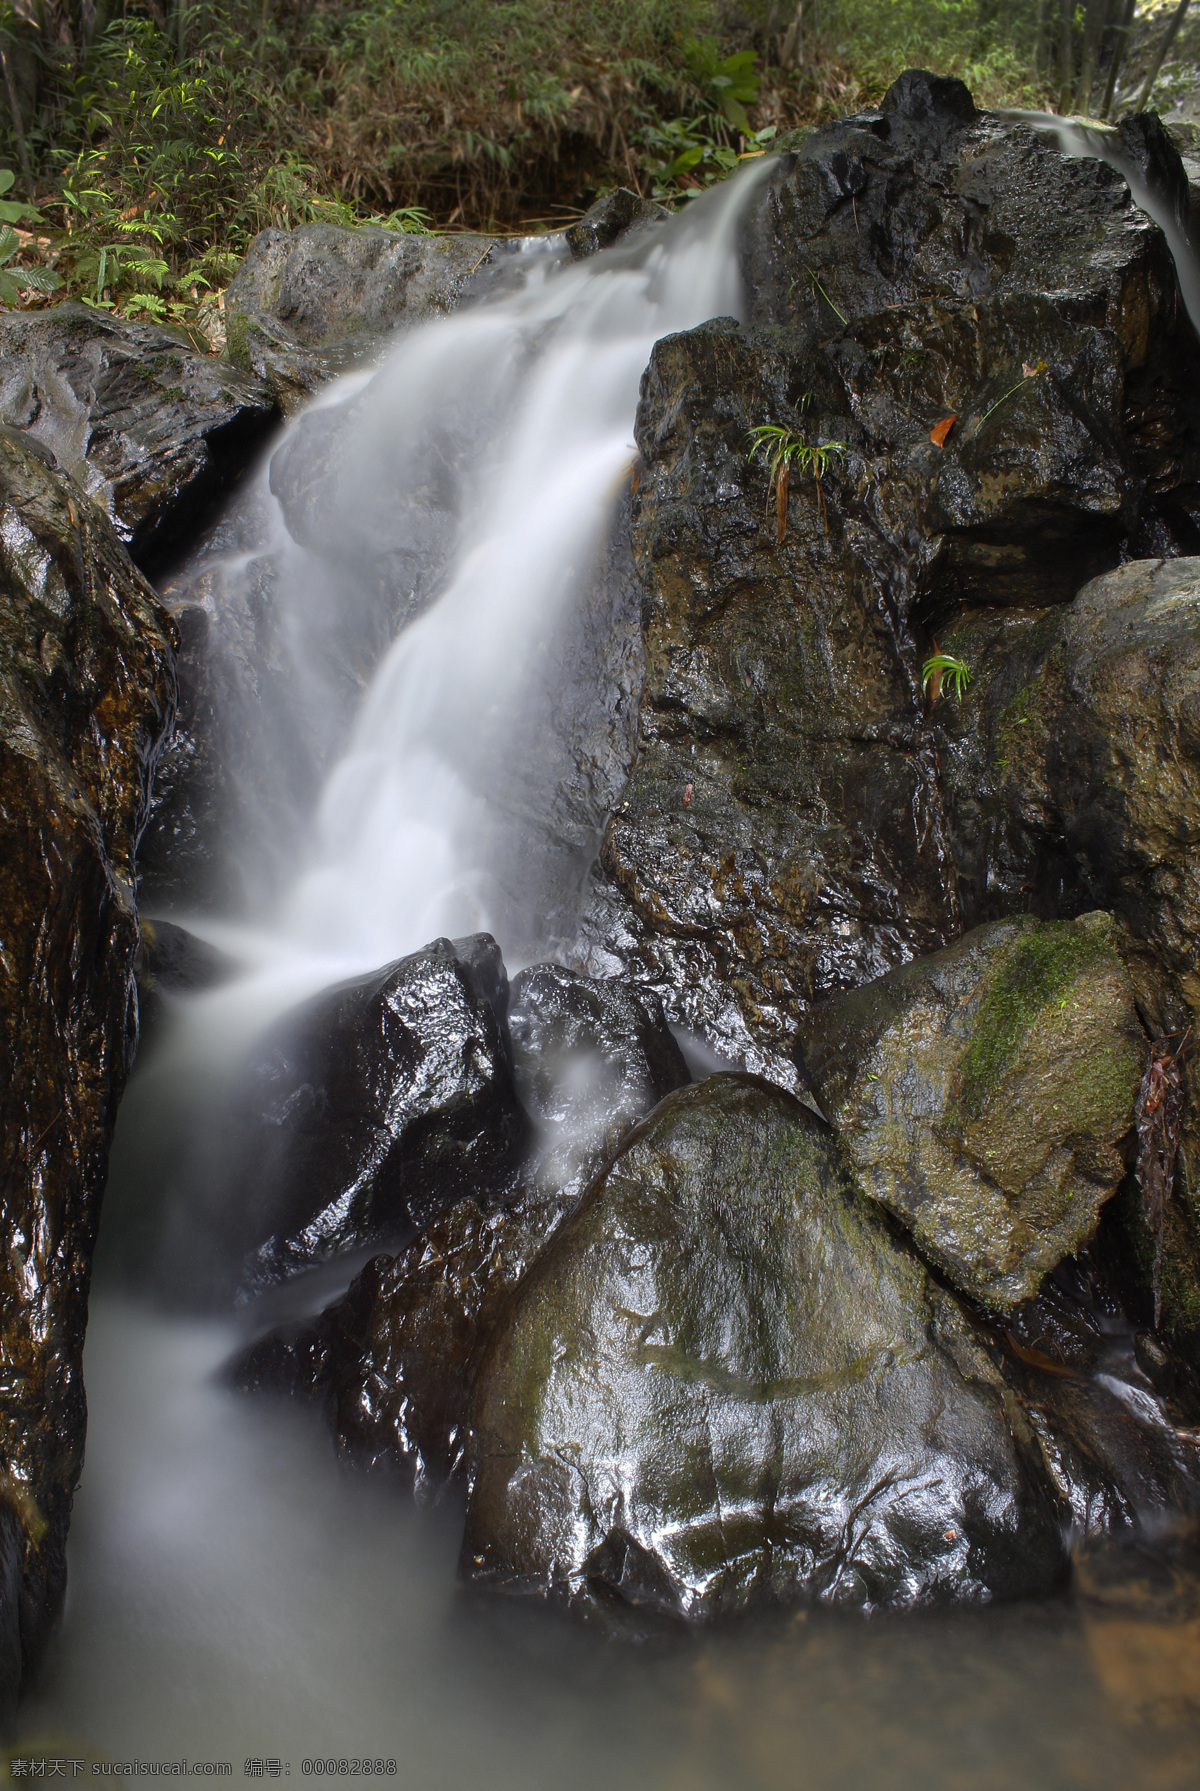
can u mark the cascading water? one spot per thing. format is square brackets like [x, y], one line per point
[1091, 140]
[231, 1598]
[443, 814]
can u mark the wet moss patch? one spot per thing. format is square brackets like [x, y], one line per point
[1040, 973]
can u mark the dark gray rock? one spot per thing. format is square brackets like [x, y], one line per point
[365, 1112]
[86, 693]
[784, 834]
[393, 1363]
[725, 1383]
[609, 218]
[984, 1094]
[1104, 1402]
[590, 1057]
[307, 304]
[172, 962]
[152, 429]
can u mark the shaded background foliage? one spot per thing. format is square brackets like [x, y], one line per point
[151, 140]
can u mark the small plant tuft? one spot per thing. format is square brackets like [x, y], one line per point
[942, 668]
[782, 449]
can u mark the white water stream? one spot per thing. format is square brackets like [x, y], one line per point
[436, 818]
[231, 1597]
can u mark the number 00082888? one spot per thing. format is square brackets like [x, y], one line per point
[344, 1768]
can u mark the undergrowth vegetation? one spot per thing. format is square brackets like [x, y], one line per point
[153, 142]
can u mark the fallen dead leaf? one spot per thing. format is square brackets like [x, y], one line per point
[940, 431]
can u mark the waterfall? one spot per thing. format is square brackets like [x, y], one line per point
[441, 815]
[1091, 140]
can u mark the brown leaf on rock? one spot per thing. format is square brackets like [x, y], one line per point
[940, 431]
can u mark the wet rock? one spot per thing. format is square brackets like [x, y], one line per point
[726, 1382]
[392, 1364]
[784, 834]
[1112, 1452]
[777, 838]
[172, 962]
[1132, 1247]
[150, 428]
[307, 304]
[590, 1057]
[86, 692]
[609, 218]
[1070, 778]
[984, 1094]
[365, 1112]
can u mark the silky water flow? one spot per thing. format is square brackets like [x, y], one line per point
[233, 1596]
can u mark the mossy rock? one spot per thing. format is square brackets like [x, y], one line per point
[985, 1093]
[727, 1382]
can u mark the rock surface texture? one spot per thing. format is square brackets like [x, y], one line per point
[308, 304]
[610, 217]
[785, 832]
[365, 1112]
[1071, 777]
[725, 1382]
[984, 1093]
[394, 1363]
[590, 1058]
[86, 692]
[150, 428]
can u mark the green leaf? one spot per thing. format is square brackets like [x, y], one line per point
[683, 162]
[10, 242]
[148, 302]
[37, 279]
[12, 213]
[7, 177]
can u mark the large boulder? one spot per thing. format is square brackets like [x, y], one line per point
[393, 1363]
[86, 693]
[725, 1381]
[784, 834]
[361, 1115]
[152, 429]
[1070, 770]
[308, 304]
[984, 1094]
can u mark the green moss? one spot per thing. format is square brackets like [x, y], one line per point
[237, 344]
[1013, 718]
[1047, 960]
[1103, 1085]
